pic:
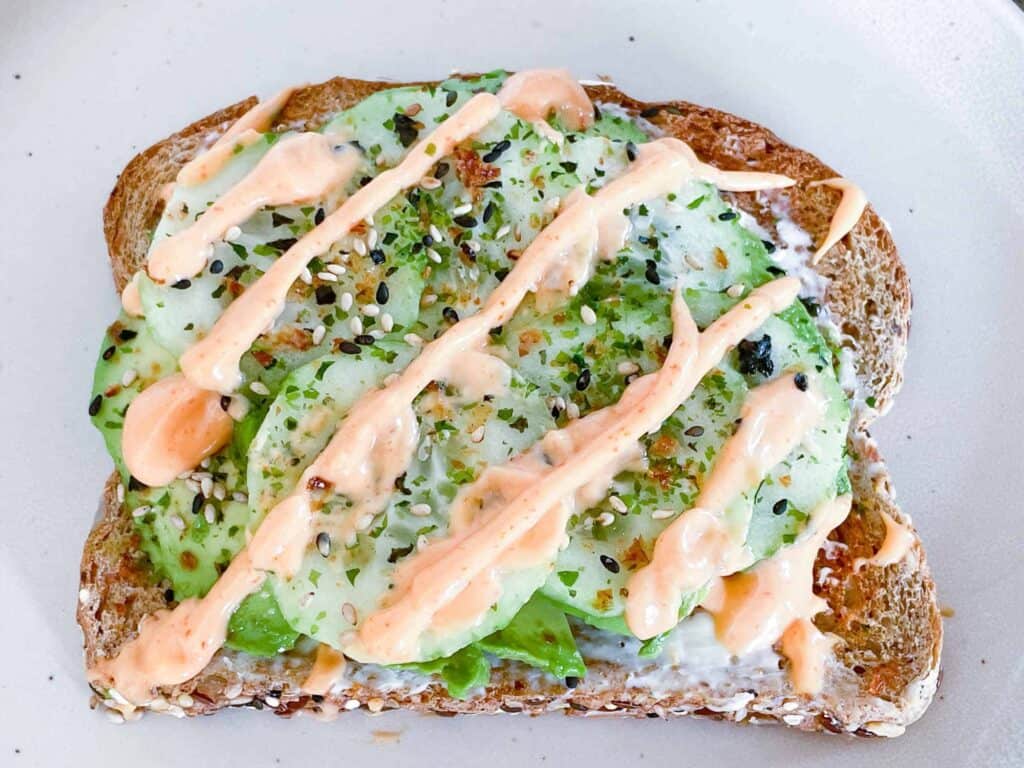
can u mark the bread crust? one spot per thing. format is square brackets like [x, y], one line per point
[887, 619]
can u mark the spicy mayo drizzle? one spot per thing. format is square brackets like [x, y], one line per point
[895, 546]
[846, 215]
[699, 544]
[534, 94]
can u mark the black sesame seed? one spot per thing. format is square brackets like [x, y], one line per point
[450, 98]
[441, 170]
[197, 503]
[126, 334]
[610, 563]
[650, 112]
[780, 507]
[325, 295]
[94, 405]
[727, 215]
[348, 347]
[317, 698]
[465, 220]
[225, 402]
[169, 595]
[323, 543]
[364, 339]
[768, 246]
[694, 431]
[572, 682]
[427, 240]
[406, 129]
[756, 356]
[801, 381]
[631, 150]
[496, 151]
[109, 352]
[488, 212]
[583, 380]
[216, 267]
[383, 294]
[496, 184]
[318, 217]
[651, 273]
[450, 315]
[377, 256]
[182, 284]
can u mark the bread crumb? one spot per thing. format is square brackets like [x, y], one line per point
[386, 737]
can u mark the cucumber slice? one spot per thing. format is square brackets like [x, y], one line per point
[128, 353]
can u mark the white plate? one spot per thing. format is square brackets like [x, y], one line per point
[919, 102]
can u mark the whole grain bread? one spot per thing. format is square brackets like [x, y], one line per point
[886, 619]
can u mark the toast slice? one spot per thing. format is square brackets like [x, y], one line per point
[886, 664]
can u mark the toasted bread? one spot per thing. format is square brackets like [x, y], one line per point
[886, 664]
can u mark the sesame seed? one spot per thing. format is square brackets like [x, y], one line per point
[233, 234]
[792, 719]
[662, 514]
[694, 431]
[429, 182]
[352, 704]
[141, 511]
[185, 701]
[780, 507]
[413, 340]
[477, 435]
[272, 701]
[502, 231]
[420, 510]
[387, 323]
[587, 315]
[450, 314]
[428, 299]
[610, 563]
[627, 367]
[336, 269]
[210, 514]
[233, 691]
[318, 334]
[375, 705]
[383, 293]
[120, 493]
[433, 255]
[323, 544]
[129, 376]
[259, 388]
[205, 463]
[240, 497]
[572, 410]
[605, 518]
[327, 277]
[348, 611]
[349, 348]
[435, 233]
[370, 310]
[734, 291]
[583, 380]
[692, 261]
[371, 238]
[459, 210]
[206, 486]
[306, 276]
[346, 301]
[192, 485]
[360, 247]
[356, 324]
[177, 522]
[801, 381]
[618, 505]
[219, 492]
[83, 595]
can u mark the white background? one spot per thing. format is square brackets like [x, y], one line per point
[920, 102]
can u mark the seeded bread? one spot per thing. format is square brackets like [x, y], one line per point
[886, 665]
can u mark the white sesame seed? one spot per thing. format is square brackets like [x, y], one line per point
[420, 510]
[618, 505]
[352, 704]
[185, 701]
[336, 269]
[120, 493]
[219, 491]
[435, 233]
[428, 299]
[328, 277]
[627, 367]
[433, 255]
[177, 522]
[200, 475]
[306, 276]
[272, 701]
[318, 334]
[605, 518]
[210, 514]
[429, 182]
[205, 463]
[240, 497]
[141, 511]
[370, 310]
[477, 435]
[259, 388]
[129, 376]
[359, 246]
[233, 691]
[692, 261]
[192, 485]
[348, 612]
[371, 238]
[238, 407]
[413, 340]
[350, 539]
[473, 246]
[587, 315]
[734, 291]
[792, 719]
[572, 410]
[662, 514]
[83, 595]
[789, 706]
[552, 204]
[421, 543]
[346, 301]
[206, 486]
[355, 323]
[233, 234]
[504, 230]
[459, 210]
[387, 323]
[368, 221]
